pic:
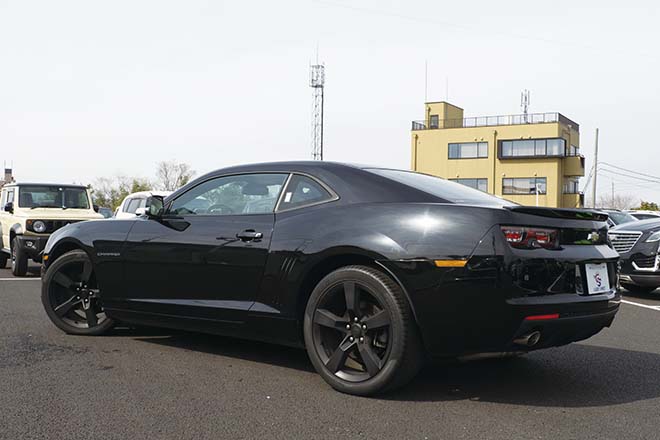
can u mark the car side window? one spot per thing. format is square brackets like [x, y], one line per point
[133, 205]
[10, 195]
[3, 199]
[303, 191]
[231, 195]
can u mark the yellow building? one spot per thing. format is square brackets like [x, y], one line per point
[529, 159]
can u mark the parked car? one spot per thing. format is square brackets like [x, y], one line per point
[30, 212]
[645, 215]
[638, 243]
[370, 269]
[618, 217]
[134, 204]
[106, 212]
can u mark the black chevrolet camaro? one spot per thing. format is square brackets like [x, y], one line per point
[371, 270]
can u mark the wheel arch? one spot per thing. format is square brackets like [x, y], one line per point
[63, 247]
[334, 261]
[15, 230]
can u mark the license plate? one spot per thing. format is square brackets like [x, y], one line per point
[598, 280]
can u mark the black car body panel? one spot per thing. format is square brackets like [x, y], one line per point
[194, 273]
[640, 258]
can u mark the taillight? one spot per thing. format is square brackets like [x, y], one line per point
[527, 237]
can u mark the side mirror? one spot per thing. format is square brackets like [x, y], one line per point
[9, 207]
[140, 211]
[96, 208]
[154, 207]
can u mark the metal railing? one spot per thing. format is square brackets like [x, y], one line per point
[489, 121]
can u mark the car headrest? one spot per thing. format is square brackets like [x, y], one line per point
[255, 189]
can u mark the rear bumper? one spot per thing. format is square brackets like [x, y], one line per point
[577, 320]
[644, 280]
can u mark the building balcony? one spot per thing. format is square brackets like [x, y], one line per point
[492, 121]
[574, 166]
[572, 200]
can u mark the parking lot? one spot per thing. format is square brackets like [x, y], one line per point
[143, 383]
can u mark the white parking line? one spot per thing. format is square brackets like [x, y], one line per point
[646, 306]
[19, 279]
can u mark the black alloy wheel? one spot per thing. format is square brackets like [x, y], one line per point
[71, 296]
[359, 332]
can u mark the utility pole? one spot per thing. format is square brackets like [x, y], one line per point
[593, 190]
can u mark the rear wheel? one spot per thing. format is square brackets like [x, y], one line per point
[71, 296]
[19, 260]
[359, 332]
[638, 289]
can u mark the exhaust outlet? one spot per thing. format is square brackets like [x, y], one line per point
[529, 340]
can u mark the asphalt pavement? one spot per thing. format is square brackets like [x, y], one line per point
[161, 384]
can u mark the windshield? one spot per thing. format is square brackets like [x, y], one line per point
[450, 191]
[621, 217]
[53, 197]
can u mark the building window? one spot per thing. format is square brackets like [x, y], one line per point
[572, 150]
[572, 185]
[480, 184]
[434, 121]
[533, 148]
[468, 150]
[524, 185]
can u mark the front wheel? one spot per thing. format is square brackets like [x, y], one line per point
[360, 333]
[19, 260]
[638, 289]
[71, 296]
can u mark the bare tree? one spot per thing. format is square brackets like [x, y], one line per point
[172, 175]
[111, 191]
[616, 201]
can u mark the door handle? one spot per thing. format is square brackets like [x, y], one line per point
[249, 235]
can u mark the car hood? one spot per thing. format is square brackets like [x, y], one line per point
[642, 225]
[59, 214]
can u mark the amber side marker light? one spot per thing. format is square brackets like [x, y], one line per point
[45, 258]
[450, 263]
[542, 317]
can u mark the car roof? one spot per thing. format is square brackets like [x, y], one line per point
[148, 193]
[68, 185]
[353, 183]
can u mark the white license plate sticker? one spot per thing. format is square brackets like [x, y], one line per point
[598, 280]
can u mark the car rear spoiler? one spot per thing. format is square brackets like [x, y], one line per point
[573, 214]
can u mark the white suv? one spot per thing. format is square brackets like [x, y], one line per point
[30, 212]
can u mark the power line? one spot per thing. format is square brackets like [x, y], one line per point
[628, 176]
[630, 171]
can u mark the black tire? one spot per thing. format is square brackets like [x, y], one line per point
[638, 289]
[3, 260]
[19, 260]
[381, 324]
[71, 298]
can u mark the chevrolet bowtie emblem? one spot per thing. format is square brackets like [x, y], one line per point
[593, 236]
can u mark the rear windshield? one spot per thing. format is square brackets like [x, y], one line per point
[444, 189]
[620, 218]
[52, 197]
